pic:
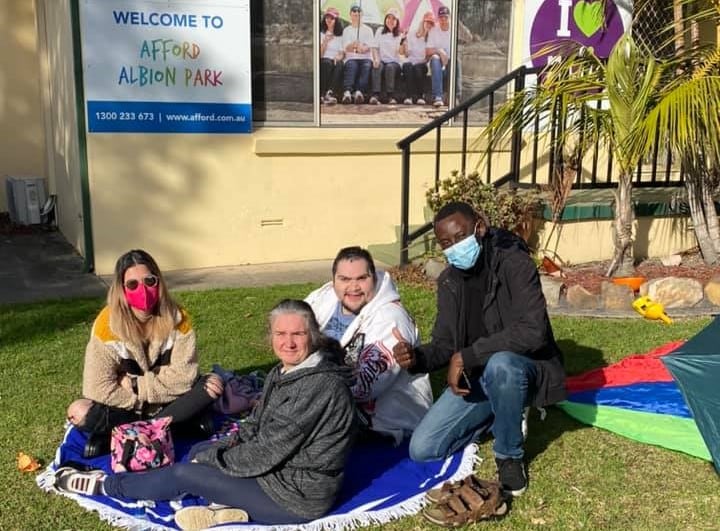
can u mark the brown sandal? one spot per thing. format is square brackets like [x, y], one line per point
[449, 488]
[474, 500]
[446, 490]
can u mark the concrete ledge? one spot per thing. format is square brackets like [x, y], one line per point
[370, 141]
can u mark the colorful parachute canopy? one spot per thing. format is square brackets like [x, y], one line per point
[668, 397]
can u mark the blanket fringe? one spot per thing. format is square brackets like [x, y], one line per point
[349, 521]
[357, 520]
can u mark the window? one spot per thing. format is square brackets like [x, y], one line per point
[286, 71]
[282, 61]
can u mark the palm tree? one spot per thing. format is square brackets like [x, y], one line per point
[686, 116]
[596, 101]
[627, 104]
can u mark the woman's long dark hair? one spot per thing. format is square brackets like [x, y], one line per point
[395, 30]
[337, 30]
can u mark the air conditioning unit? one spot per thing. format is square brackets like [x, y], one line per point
[25, 197]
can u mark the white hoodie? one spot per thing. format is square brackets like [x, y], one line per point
[395, 399]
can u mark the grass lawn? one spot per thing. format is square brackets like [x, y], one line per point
[580, 477]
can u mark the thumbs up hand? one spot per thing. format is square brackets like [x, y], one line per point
[403, 351]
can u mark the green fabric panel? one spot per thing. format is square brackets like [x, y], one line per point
[668, 431]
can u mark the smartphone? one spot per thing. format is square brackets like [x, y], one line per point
[464, 382]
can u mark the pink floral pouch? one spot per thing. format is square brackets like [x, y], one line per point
[141, 445]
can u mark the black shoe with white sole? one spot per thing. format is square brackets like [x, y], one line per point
[512, 477]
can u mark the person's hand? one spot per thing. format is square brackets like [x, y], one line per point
[443, 57]
[214, 385]
[403, 352]
[125, 382]
[376, 63]
[328, 37]
[455, 375]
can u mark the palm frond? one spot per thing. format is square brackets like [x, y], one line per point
[707, 64]
[686, 117]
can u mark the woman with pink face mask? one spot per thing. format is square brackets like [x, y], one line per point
[141, 361]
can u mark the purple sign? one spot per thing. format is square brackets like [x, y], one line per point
[580, 21]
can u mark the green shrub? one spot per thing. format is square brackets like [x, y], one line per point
[510, 209]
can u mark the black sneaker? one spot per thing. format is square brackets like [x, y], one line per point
[511, 474]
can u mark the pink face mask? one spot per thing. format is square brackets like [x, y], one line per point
[142, 297]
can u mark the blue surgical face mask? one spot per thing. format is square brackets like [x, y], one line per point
[464, 253]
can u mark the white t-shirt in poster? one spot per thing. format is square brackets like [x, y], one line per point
[333, 47]
[416, 48]
[388, 46]
[364, 36]
[439, 39]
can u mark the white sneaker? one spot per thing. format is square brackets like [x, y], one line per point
[68, 479]
[407, 101]
[392, 101]
[420, 101]
[330, 98]
[347, 97]
[438, 102]
[374, 101]
[201, 517]
[359, 98]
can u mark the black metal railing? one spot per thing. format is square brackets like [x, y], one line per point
[517, 176]
[516, 80]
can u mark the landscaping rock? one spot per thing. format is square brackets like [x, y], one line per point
[615, 297]
[553, 289]
[672, 260]
[433, 268]
[712, 290]
[578, 298]
[675, 292]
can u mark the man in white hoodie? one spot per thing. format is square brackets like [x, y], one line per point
[360, 308]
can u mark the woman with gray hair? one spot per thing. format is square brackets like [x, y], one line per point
[285, 465]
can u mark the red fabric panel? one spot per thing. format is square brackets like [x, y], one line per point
[633, 369]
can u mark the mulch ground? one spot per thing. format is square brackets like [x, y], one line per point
[591, 275]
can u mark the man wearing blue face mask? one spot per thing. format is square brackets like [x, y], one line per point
[493, 333]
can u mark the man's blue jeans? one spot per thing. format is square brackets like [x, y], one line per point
[496, 402]
[357, 75]
[438, 74]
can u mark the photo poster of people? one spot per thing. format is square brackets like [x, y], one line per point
[385, 61]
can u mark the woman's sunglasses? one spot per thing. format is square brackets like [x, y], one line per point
[150, 281]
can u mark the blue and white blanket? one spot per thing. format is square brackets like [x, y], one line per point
[381, 484]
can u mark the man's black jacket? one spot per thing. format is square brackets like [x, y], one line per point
[514, 312]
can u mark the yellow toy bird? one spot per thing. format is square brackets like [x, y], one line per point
[649, 309]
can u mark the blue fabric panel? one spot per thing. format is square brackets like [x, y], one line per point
[653, 397]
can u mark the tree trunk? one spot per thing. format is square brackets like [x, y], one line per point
[623, 263]
[711, 217]
[694, 185]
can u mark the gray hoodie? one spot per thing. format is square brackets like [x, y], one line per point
[297, 440]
